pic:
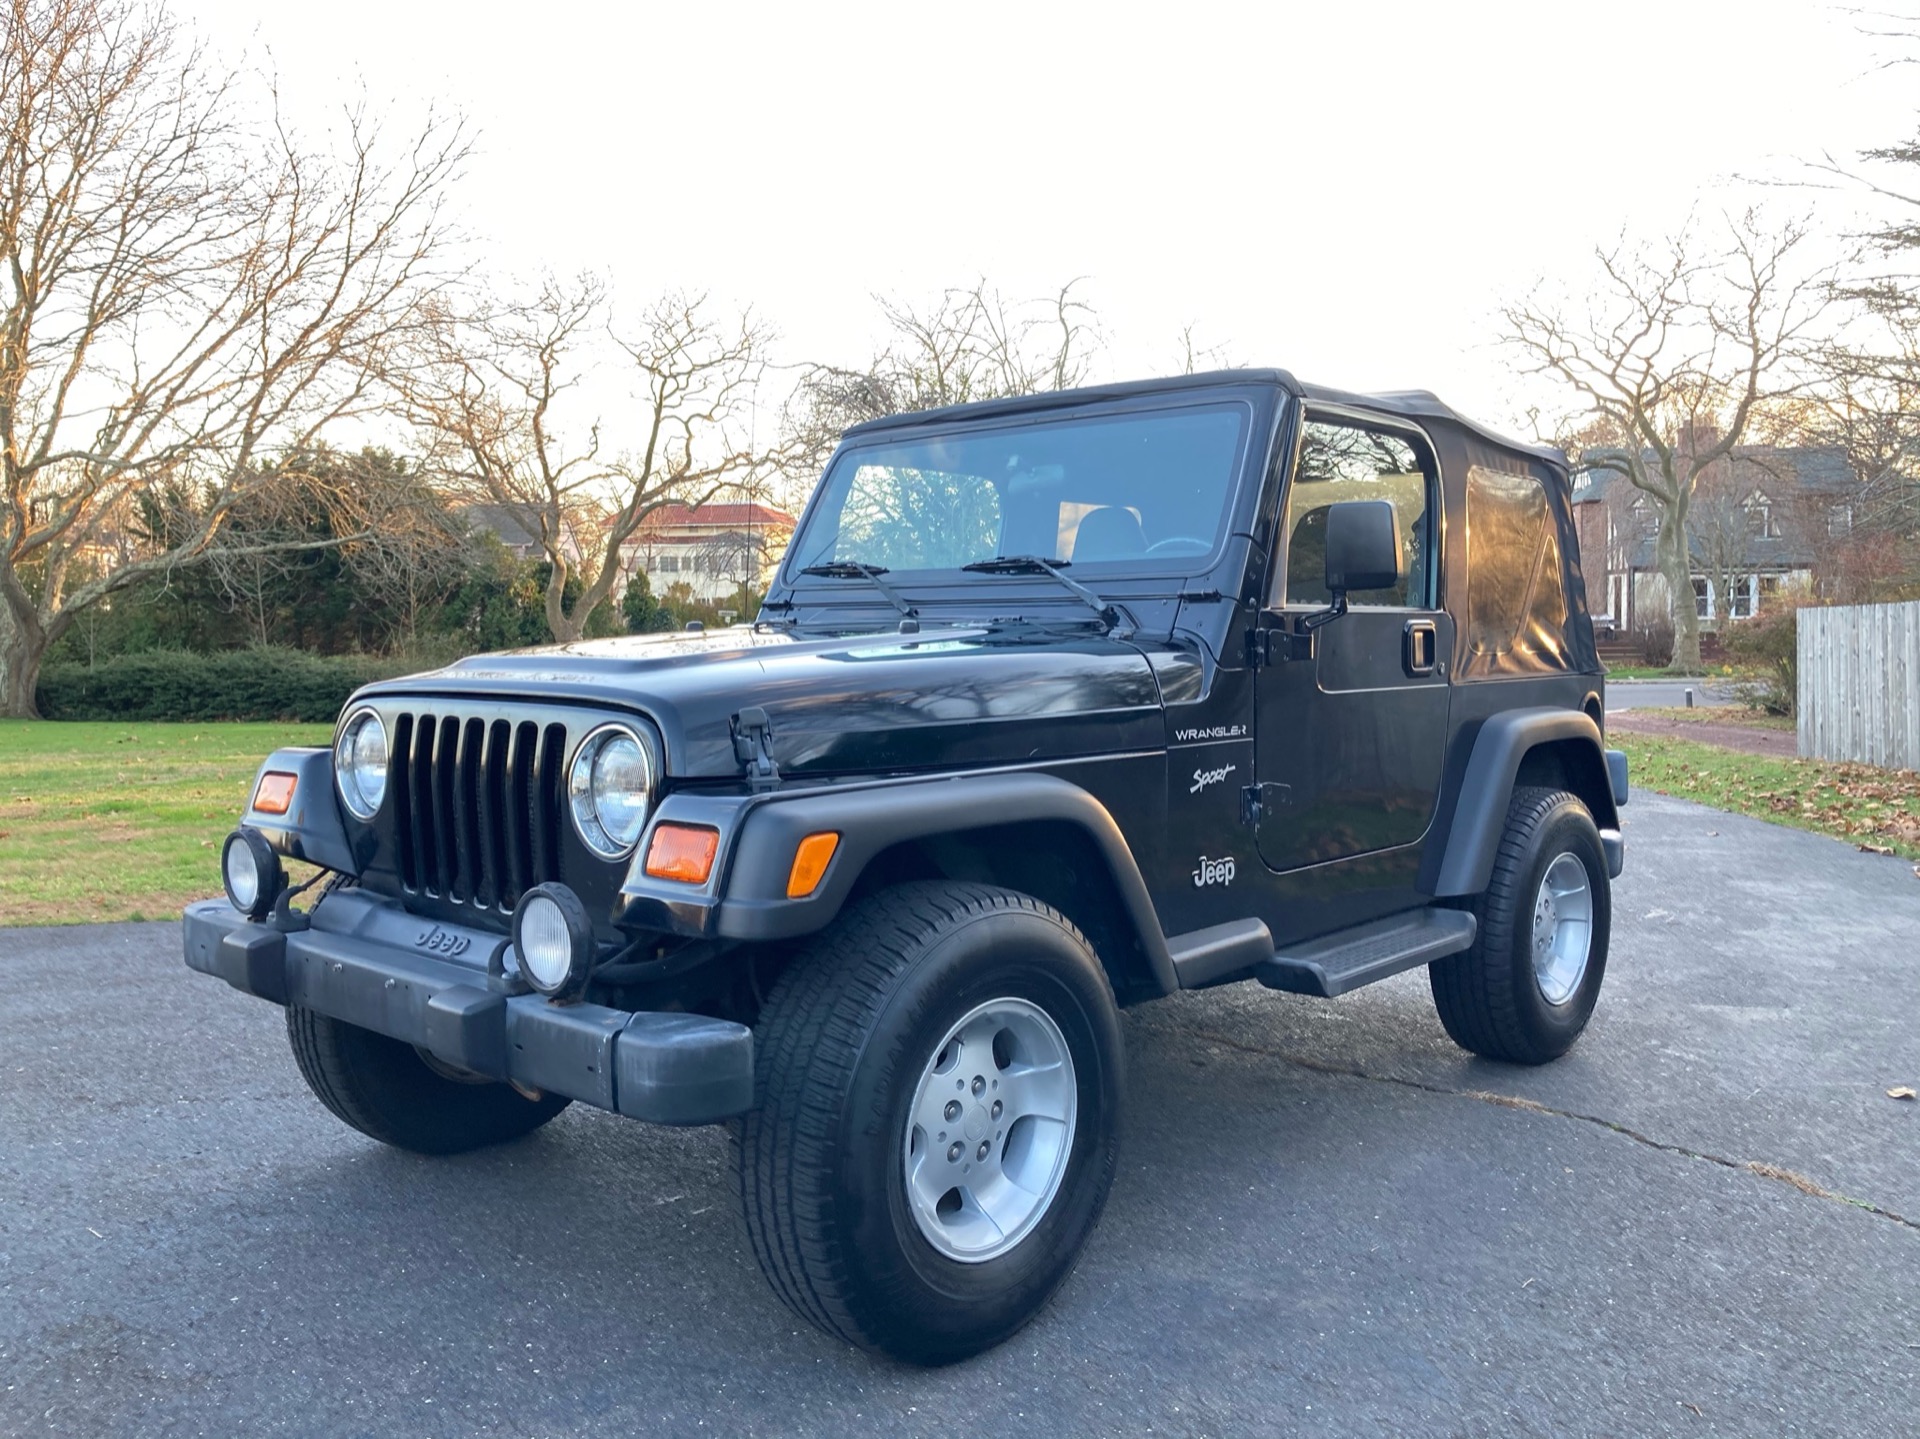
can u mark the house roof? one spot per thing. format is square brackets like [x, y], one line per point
[1815, 469]
[514, 524]
[724, 516]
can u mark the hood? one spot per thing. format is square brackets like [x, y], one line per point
[945, 697]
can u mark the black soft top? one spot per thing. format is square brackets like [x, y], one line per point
[1408, 404]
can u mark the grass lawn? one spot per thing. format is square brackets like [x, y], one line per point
[1651, 672]
[1872, 807]
[1736, 716]
[108, 821]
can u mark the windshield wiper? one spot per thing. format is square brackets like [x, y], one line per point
[854, 570]
[1034, 565]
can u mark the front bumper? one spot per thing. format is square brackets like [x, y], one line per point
[367, 961]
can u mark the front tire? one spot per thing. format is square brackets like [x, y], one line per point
[388, 1091]
[936, 1125]
[1526, 989]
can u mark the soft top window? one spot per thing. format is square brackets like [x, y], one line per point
[1516, 600]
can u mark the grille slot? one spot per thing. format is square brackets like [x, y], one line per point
[477, 806]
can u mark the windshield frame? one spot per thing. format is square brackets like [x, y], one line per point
[1131, 572]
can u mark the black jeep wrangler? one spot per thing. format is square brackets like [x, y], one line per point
[1057, 704]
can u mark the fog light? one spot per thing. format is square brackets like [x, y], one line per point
[252, 873]
[553, 938]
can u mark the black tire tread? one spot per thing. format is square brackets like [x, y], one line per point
[814, 1024]
[381, 1088]
[1476, 999]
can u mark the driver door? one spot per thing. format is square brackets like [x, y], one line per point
[1351, 737]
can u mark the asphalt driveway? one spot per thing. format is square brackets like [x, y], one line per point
[1329, 1221]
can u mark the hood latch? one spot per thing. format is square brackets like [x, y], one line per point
[753, 747]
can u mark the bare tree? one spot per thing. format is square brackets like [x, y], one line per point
[970, 344]
[180, 292]
[1192, 357]
[1867, 399]
[414, 558]
[493, 388]
[1676, 349]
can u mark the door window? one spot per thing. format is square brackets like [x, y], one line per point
[1345, 460]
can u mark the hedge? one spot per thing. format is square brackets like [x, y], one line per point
[253, 684]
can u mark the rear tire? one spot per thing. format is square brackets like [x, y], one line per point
[917, 1220]
[1523, 993]
[388, 1092]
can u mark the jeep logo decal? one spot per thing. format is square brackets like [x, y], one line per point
[441, 942]
[1204, 777]
[1213, 871]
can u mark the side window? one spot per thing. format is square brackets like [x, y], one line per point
[1516, 603]
[1340, 460]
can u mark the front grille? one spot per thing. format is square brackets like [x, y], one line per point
[477, 806]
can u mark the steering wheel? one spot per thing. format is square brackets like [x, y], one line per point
[1187, 544]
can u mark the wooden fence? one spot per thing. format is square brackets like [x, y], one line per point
[1859, 693]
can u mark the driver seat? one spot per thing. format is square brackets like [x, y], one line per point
[1109, 533]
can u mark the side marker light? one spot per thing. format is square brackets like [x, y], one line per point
[810, 861]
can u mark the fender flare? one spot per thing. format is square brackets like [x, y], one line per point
[1486, 790]
[872, 819]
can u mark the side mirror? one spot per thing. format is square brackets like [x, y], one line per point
[1363, 547]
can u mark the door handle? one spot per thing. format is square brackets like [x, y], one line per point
[1420, 647]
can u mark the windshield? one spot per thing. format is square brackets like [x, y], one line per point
[1142, 490]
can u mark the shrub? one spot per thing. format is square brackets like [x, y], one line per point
[1768, 646]
[1655, 639]
[252, 684]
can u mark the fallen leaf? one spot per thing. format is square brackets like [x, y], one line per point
[1874, 848]
[1903, 1091]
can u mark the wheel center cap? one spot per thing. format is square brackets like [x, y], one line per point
[977, 1121]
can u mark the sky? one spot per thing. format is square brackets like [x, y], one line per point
[1345, 190]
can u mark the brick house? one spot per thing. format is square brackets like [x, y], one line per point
[1764, 518]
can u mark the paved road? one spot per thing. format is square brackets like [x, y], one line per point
[1328, 1220]
[1663, 694]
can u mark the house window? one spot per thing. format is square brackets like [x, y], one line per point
[1702, 597]
[1760, 516]
[1766, 592]
[1840, 520]
[1740, 598]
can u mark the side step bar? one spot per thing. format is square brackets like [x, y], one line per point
[1336, 963]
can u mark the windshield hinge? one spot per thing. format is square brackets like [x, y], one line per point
[1257, 799]
[1273, 645]
[753, 747]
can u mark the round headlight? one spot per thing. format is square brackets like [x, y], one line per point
[252, 873]
[552, 938]
[609, 790]
[360, 763]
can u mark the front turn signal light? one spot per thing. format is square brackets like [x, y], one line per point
[810, 863]
[275, 792]
[682, 851]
